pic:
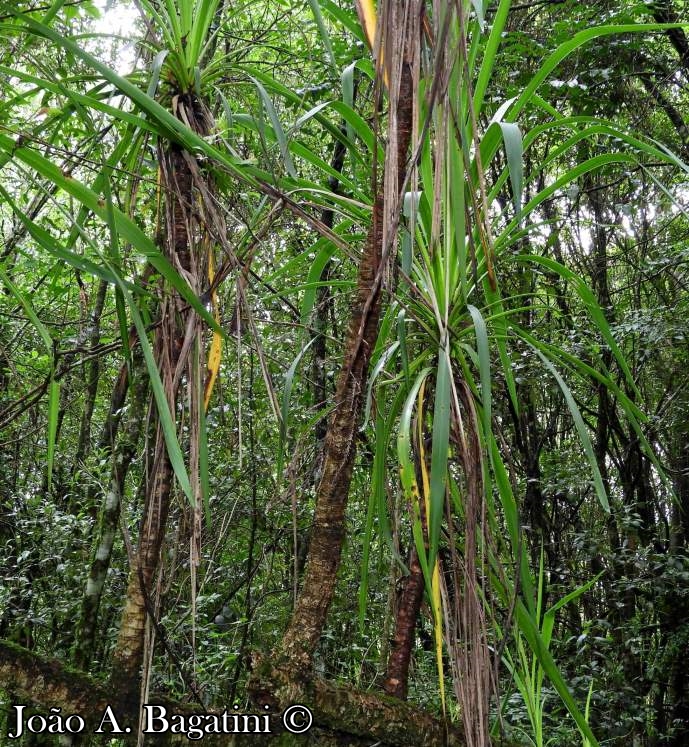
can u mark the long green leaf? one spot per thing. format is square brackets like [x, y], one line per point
[169, 126]
[408, 472]
[512, 137]
[323, 31]
[439, 452]
[285, 410]
[581, 430]
[380, 365]
[277, 129]
[484, 366]
[126, 228]
[530, 631]
[165, 416]
[592, 306]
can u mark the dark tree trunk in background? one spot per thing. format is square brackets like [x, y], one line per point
[92, 378]
[108, 530]
[409, 600]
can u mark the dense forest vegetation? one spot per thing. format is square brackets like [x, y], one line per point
[343, 364]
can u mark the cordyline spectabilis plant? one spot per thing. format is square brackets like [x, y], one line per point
[436, 346]
[430, 334]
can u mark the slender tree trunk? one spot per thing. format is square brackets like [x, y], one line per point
[396, 677]
[108, 529]
[128, 656]
[92, 377]
[409, 600]
[322, 306]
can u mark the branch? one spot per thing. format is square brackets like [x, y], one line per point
[363, 716]
[671, 111]
[370, 715]
[664, 12]
[46, 682]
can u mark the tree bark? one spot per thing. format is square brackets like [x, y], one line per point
[409, 604]
[108, 529]
[387, 720]
[325, 548]
[180, 223]
[350, 716]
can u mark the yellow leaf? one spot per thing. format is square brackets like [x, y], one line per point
[215, 352]
[366, 11]
[435, 579]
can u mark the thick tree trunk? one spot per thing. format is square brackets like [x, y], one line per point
[45, 682]
[325, 548]
[386, 720]
[129, 653]
[342, 716]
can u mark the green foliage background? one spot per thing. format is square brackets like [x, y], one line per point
[575, 361]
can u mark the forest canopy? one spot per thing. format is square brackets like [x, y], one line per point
[343, 372]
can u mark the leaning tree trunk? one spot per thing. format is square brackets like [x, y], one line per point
[345, 717]
[325, 548]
